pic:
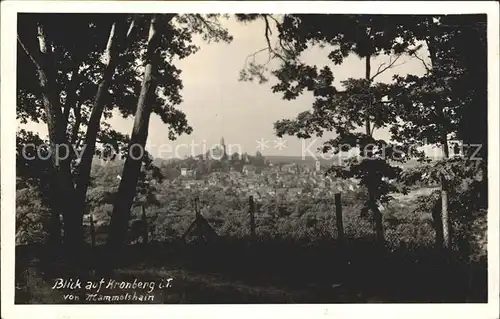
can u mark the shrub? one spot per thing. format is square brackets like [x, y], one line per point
[32, 217]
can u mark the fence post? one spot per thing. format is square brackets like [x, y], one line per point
[252, 217]
[145, 236]
[92, 230]
[196, 207]
[338, 215]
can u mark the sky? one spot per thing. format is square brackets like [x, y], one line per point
[218, 105]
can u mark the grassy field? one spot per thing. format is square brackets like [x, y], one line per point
[234, 272]
[296, 256]
[312, 268]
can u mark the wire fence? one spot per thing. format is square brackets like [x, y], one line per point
[280, 217]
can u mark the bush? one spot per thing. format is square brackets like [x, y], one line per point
[32, 217]
[32, 289]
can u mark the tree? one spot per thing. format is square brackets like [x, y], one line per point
[34, 172]
[75, 73]
[334, 110]
[235, 157]
[32, 216]
[131, 170]
[259, 160]
[419, 110]
[58, 76]
[437, 107]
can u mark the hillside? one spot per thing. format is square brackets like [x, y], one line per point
[274, 159]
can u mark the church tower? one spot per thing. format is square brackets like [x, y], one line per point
[223, 145]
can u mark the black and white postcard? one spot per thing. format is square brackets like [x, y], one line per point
[291, 159]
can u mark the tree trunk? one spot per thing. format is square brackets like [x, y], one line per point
[132, 167]
[62, 183]
[63, 192]
[445, 220]
[116, 37]
[372, 202]
[438, 224]
[76, 126]
[54, 239]
[367, 110]
[444, 199]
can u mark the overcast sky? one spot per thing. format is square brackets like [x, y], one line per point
[218, 105]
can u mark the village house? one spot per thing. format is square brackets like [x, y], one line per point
[234, 175]
[281, 191]
[290, 168]
[294, 191]
[194, 184]
[249, 169]
[187, 172]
